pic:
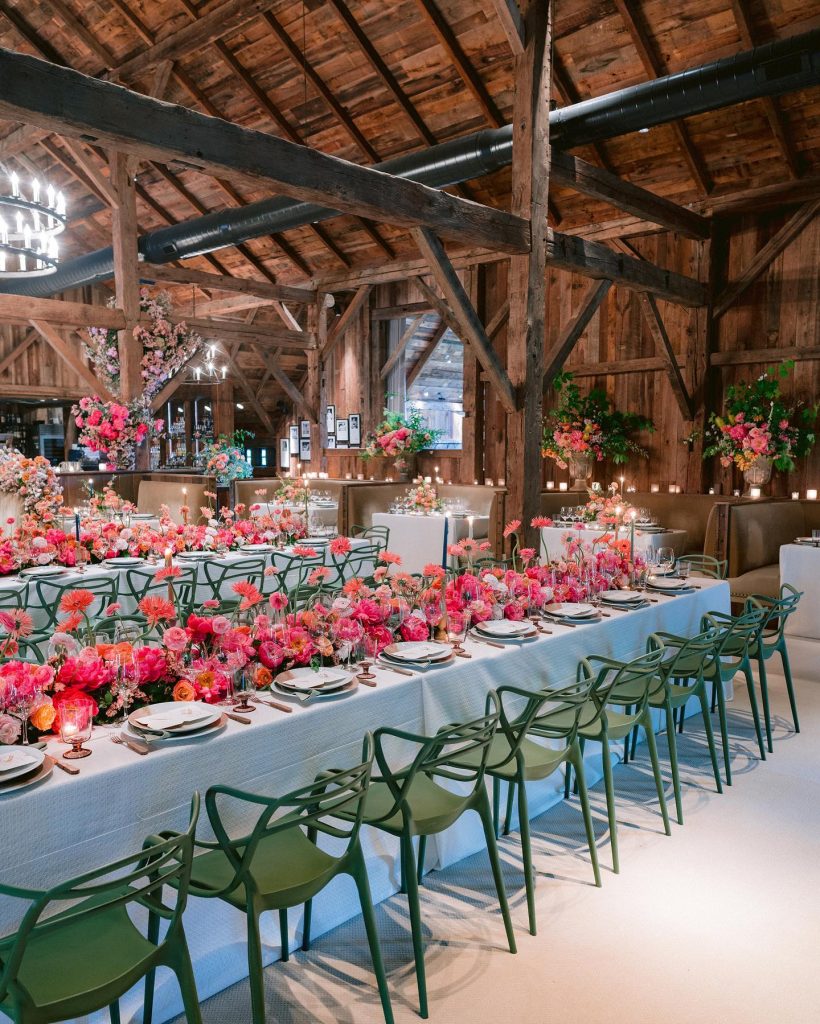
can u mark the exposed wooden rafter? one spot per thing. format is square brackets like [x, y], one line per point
[657, 329]
[424, 356]
[225, 282]
[559, 353]
[401, 345]
[345, 320]
[72, 360]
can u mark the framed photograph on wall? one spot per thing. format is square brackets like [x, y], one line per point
[331, 440]
[293, 434]
[354, 423]
[284, 453]
[341, 444]
[304, 428]
[342, 431]
[304, 449]
[330, 419]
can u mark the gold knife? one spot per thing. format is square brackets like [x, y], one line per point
[69, 769]
[237, 718]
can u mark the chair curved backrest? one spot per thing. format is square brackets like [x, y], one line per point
[16, 598]
[333, 804]
[139, 878]
[457, 752]
[292, 571]
[544, 714]
[380, 535]
[50, 593]
[219, 575]
[690, 655]
[776, 612]
[141, 582]
[706, 565]
[360, 561]
[736, 633]
[621, 683]
[27, 650]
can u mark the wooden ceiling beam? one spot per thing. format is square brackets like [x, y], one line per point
[70, 103]
[601, 184]
[764, 355]
[20, 309]
[291, 390]
[227, 283]
[767, 255]
[72, 360]
[571, 333]
[596, 260]
[241, 378]
[770, 107]
[344, 321]
[469, 327]
[425, 354]
[260, 334]
[509, 17]
[663, 345]
[635, 26]
[22, 346]
[563, 85]
[171, 386]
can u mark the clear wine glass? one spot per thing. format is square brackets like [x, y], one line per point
[666, 559]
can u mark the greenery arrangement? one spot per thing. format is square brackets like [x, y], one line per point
[589, 425]
[757, 423]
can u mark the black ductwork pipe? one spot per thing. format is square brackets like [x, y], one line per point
[779, 67]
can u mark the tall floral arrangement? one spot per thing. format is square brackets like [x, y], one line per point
[166, 346]
[33, 480]
[113, 428]
[758, 423]
[424, 498]
[589, 425]
[225, 458]
[399, 435]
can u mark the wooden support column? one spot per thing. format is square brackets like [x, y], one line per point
[126, 283]
[527, 274]
[222, 408]
[472, 430]
[317, 318]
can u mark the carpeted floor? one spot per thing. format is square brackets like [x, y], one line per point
[717, 924]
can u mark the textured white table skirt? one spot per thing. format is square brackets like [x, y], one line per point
[70, 824]
[421, 540]
[800, 566]
[552, 539]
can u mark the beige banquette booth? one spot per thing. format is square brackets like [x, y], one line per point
[152, 494]
[756, 531]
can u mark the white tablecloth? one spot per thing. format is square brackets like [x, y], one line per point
[800, 566]
[67, 825]
[552, 538]
[421, 540]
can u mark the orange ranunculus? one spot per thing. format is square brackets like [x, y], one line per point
[264, 677]
[184, 691]
[42, 717]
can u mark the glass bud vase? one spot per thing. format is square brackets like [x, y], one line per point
[759, 473]
[580, 469]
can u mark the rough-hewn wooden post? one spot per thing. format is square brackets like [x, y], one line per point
[527, 275]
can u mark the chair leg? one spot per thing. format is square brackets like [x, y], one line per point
[710, 736]
[306, 925]
[496, 803]
[526, 852]
[255, 977]
[750, 686]
[114, 1012]
[633, 745]
[764, 695]
[609, 786]
[415, 919]
[495, 864]
[718, 695]
[627, 711]
[787, 672]
[284, 937]
[584, 795]
[422, 853]
[184, 971]
[567, 779]
[581, 743]
[656, 770]
[150, 977]
[673, 761]
[366, 901]
[508, 812]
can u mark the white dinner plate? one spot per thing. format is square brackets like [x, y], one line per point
[117, 563]
[417, 651]
[18, 760]
[571, 610]
[621, 596]
[43, 570]
[143, 515]
[31, 778]
[315, 542]
[505, 628]
[256, 548]
[194, 556]
[325, 680]
[180, 716]
[667, 583]
[321, 695]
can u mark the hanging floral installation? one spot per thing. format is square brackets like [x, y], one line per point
[114, 429]
[166, 346]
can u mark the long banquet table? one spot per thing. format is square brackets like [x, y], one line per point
[67, 825]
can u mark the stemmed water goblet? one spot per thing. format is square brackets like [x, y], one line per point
[368, 651]
[243, 687]
[457, 621]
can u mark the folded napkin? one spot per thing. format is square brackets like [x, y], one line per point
[170, 719]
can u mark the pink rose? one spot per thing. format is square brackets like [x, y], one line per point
[9, 729]
[175, 639]
[270, 654]
[220, 625]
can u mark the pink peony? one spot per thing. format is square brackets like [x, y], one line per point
[413, 628]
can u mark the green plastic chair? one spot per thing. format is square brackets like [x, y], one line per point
[771, 638]
[278, 864]
[10, 599]
[380, 535]
[292, 572]
[359, 561]
[681, 677]
[515, 758]
[410, 802]
[737, 634]
[49, 592]
[220, 576]
[65, 965]
[619, 703]
[140, 583]
[705, 565]
[27, 650]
